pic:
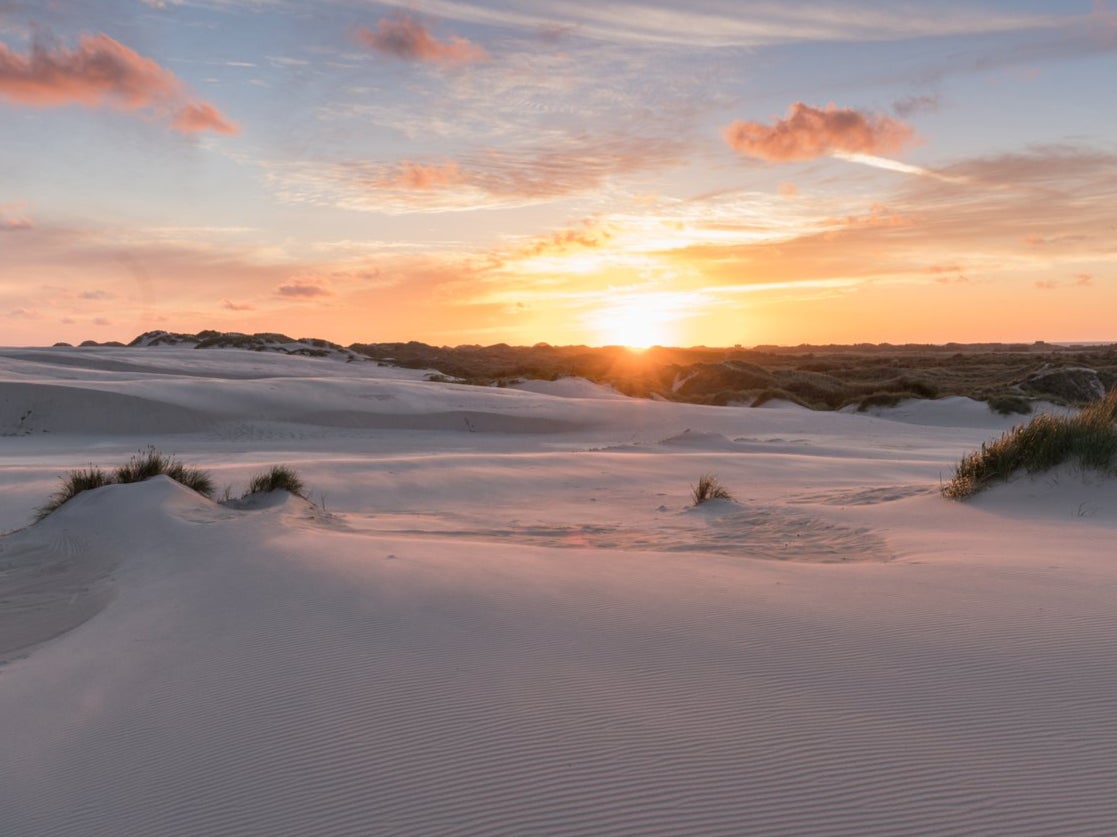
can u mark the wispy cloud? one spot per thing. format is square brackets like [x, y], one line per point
[485, 179]
[810, 132]
[101, 72]
[714, 23]
[407, 38]
[13, 220]
[911, 105]
[303, 289]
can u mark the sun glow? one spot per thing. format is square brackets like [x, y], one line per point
[639, 321]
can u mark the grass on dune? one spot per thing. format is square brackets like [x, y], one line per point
[1088, 439]
[709, 488]
[73, 483]
[151, 463]
[279, 477]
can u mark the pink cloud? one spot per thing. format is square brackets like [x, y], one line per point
[809, 132]
[229, 305]
[302, 289]
[101, 72]
[13, 223]
[405, 37]
[202, 116]
[422, 176]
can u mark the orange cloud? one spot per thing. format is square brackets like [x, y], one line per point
[103, 72]
[587, 235]
[405, 37]
[809, 132]
[202, 116]
[421, 176]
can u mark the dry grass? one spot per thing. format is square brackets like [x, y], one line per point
[278, 478]
[1088, 439]
[709, 488]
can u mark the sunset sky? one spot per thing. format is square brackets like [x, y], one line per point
[478, 171]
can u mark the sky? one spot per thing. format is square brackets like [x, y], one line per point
[716, 172]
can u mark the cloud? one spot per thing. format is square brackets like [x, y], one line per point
[196, 117]
[912, 105]
[229, 305]
[720, 23]
[486, 179]
[302, 289]
[101, 72]
[809, 132]
[13, 223]
[420, 176]
[405, 37]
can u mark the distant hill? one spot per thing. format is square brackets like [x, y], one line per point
[261, 342]
[1007, 376]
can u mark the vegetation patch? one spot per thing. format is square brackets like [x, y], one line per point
[709, 488]
[152, 463]
[1007, 405]
[1088, 439]
[278, 478]
[73, 484]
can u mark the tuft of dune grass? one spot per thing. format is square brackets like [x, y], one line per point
[152, 463]
[709, 488]
[1088, 439]
[73, 484]
[278, 478]
[142, 466]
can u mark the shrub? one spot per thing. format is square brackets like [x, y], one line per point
[709, 488]
[1088, 438]
[1007, 405]
[74, 483]
[279, 478]
[883, 399]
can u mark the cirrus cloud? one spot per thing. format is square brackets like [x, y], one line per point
[407, 38]
[810, 132]
[102, 72]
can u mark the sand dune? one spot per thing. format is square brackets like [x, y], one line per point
[522, 627]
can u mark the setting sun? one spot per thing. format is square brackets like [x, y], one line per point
[638, 321]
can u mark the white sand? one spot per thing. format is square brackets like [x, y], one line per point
[507, 619]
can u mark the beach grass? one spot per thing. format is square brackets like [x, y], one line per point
[277, 478]
[709, 488]
[1088, 439]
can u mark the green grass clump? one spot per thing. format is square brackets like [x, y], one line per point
[1088, 439]
[709, 488]
[152, 463]
[74, 483]
[142, 466]
[279, 478]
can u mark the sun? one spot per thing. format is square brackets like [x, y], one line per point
[637, 322]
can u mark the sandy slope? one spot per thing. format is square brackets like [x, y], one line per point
[507, 619]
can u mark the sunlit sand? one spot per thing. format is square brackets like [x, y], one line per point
[498, 612]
